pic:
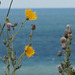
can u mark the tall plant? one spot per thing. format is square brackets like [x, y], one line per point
[65, 67]
[10, 59]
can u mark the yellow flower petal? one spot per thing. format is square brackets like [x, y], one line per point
[29, 51]
[30, 15]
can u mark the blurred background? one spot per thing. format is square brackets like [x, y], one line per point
[50, 27]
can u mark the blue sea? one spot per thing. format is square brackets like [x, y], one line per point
[50, 27]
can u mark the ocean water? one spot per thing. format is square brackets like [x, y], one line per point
[50, 27]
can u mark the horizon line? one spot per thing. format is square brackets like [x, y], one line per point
[38, 8]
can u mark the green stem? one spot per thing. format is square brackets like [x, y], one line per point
[13, 73]
[12, 42]
[59, 59]
[64, 55]
[6, 16]
[30, 37]
[17, 32]
[19, 60]
[23, 54]
[19, 29]
[8, 54]
[2, 32]
[68, 73]
[8, 62]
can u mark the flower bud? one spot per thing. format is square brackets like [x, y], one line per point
[68, 26]
[66, 33]
[59, 68]
[63, 39]
[33, 26]
[63, 46]
[15, 24]
[9, 24]
[59, 53]
[4, 41]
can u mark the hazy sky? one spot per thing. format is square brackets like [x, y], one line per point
[39, 3]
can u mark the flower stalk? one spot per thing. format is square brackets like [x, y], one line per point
[6, 16]
[10, 59]
[66, 42]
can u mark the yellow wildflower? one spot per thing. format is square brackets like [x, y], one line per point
[30, 15]
[29, 51]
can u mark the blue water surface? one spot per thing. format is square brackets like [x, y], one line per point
[50, 27]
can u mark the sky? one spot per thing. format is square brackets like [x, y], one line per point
[38, 3]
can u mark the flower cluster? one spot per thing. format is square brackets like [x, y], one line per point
[66, 66]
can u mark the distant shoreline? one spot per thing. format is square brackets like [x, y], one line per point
[38, 8]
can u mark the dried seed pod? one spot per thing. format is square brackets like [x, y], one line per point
[59, 53]
[63, 39]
